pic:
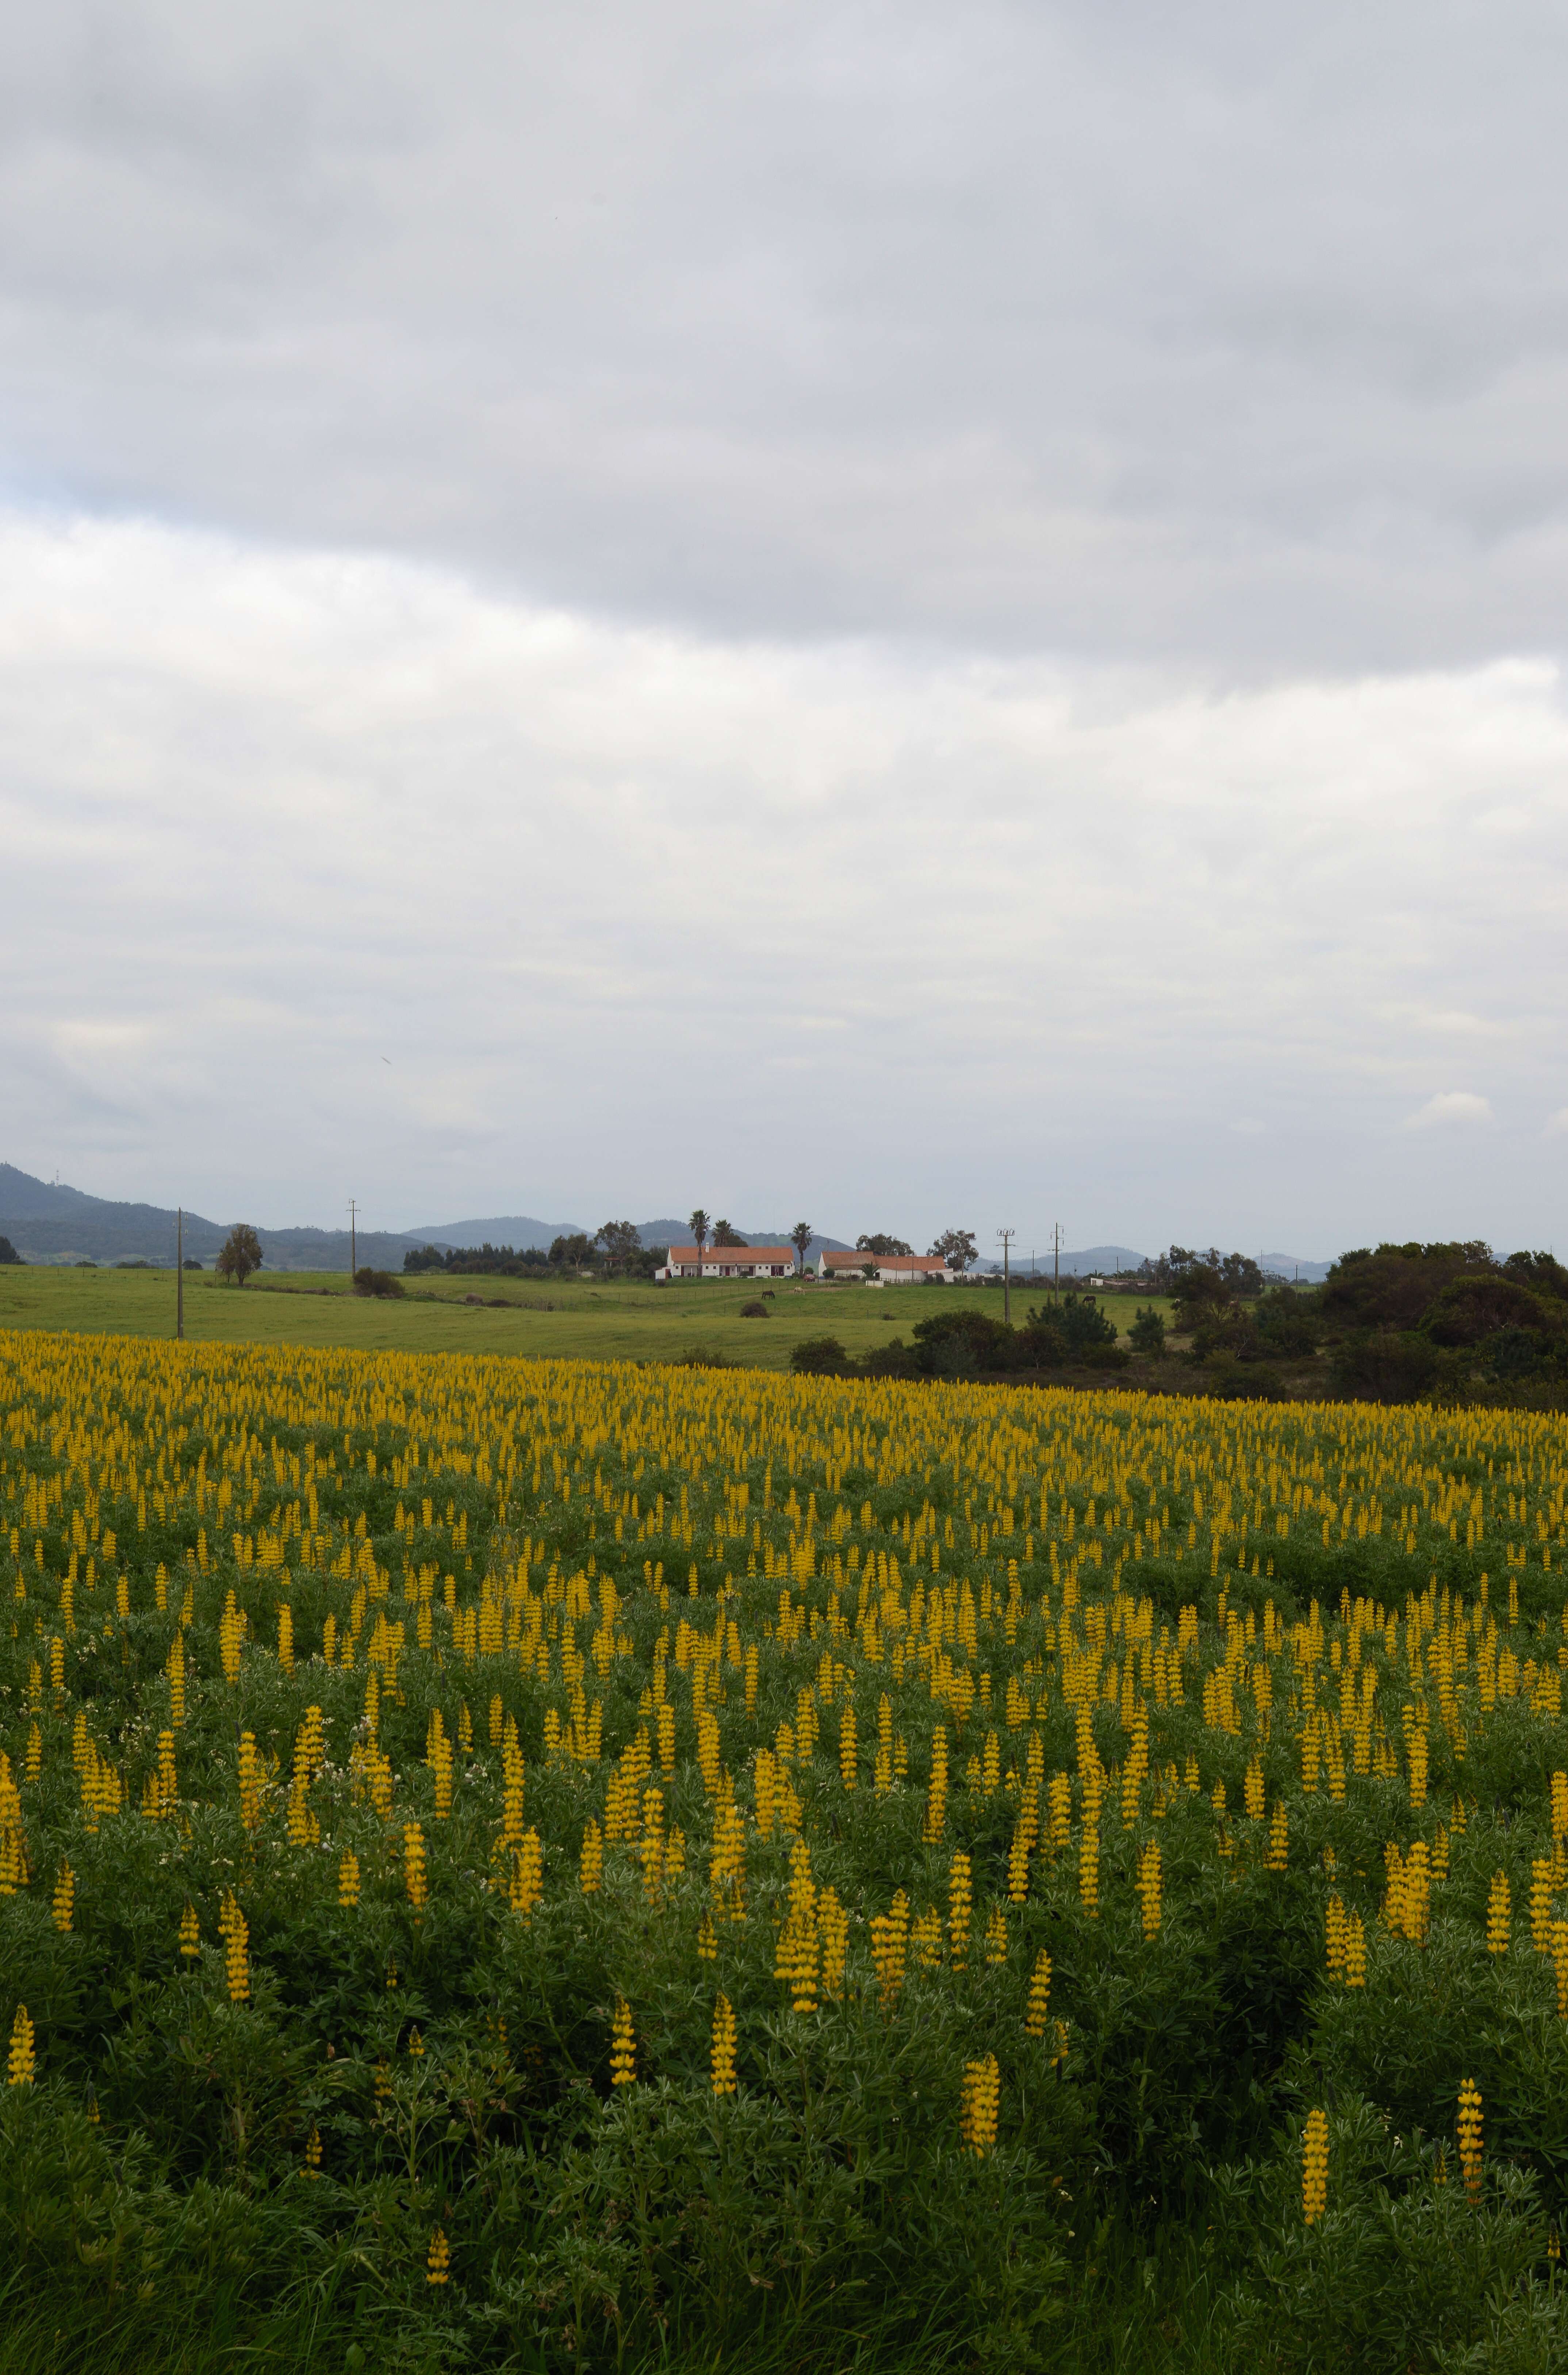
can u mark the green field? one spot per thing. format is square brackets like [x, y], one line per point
[532, 1867]
[569, 1318]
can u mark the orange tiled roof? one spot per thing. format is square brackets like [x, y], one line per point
[886, 1262]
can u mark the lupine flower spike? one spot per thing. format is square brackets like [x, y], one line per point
[1315, 2166]
[623, 2048]
[982, 2090]
[1470, 2137]
[20, 2063]
[723, 2048]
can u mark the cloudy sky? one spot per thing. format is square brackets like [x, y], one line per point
[898, 615]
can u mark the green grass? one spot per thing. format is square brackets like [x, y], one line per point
[551, 1319]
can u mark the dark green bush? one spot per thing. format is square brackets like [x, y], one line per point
[1146, 1334]
[820, 1356]
[379, 1283]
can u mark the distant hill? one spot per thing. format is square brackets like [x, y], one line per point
[1089, 1261]
[818, 1245]
[55, 1223]
[678, 1233]
[48, 1221]
[329, 1249]
[1097, 1261]
[513, 1229]
[23, 1197]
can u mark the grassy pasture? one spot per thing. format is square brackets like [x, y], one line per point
[548, 1320]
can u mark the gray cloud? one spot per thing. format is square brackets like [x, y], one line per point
[778, 926]
[891, 610]
[1212, 336]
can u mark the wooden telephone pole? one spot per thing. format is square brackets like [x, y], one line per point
[1055, 1261]
[353, 1241]
[179, 1274]
[1007, 1236]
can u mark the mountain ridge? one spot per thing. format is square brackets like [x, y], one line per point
[49, 1221]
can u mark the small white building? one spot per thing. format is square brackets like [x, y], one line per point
[887, 1270]
[728, 1262]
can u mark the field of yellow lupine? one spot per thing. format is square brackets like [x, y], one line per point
[560, 1863]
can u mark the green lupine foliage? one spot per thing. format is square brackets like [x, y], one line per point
[979, 1560]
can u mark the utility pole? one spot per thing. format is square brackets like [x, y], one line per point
[1007, 1236]
[1055, 1261]
[179, 1274]
[353, 1255]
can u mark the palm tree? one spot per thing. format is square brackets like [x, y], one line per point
[698, 1225]
[800, 1238]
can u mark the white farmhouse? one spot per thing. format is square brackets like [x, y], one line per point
[728, 1262]
[890, 1270]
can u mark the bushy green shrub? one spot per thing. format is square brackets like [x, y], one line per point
[1146, 1334]
[819, 1356]
[379, 1283]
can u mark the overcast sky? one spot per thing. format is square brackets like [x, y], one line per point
[896, 615]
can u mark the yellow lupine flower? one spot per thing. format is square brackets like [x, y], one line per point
[1470, 2136]
[623, 2047]
[982, 2094]
[21, 2063]
[234, 1930]
[1039, 1996]
[414, 1866]
[723, 2048]
[1315, 2166]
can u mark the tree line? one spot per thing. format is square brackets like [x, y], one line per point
[617, 1249]
[962, 1341]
